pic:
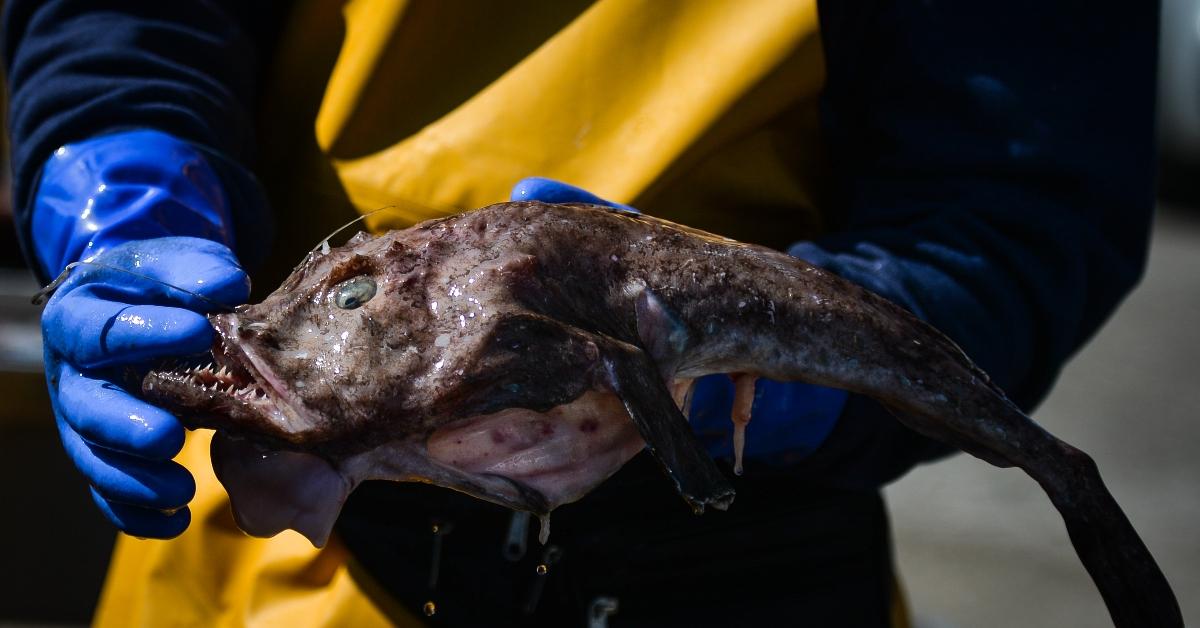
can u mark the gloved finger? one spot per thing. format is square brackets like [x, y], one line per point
[107, 416]
[91, 332]
[711, 413]
[792, 419]
[551, 191]
[143, 522]
[166, 271]
[788, 420]
[163, 485]
[205, 267]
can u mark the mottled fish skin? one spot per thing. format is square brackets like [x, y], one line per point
[526, 308]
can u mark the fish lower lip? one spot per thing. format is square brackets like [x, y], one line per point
[289, 417]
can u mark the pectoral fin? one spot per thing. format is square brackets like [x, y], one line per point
[663, 333]
[634, 378]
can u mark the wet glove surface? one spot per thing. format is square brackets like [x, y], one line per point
[101, 328]
[789, 420]
[106, 201]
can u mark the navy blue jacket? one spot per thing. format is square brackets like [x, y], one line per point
[995, 159]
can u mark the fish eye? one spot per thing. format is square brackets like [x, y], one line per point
[353, 292]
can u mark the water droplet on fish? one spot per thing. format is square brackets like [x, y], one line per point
[542, 569]
[544, 532]
[429, 609]
[325, 247]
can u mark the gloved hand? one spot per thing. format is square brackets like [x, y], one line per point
[789, 420]
[122, 200]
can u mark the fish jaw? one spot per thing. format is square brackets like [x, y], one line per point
[236, 391]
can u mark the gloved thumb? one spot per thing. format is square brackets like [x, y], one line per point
[551, 191]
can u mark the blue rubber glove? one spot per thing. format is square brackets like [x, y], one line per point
[788, 420]
[149, 203]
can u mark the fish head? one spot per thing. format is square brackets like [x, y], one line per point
[318, 360]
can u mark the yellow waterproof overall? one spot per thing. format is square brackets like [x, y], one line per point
[699, 111]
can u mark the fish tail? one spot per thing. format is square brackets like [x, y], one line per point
[1133, 587]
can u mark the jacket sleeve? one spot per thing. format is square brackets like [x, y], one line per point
[81, 68]
[996, 165]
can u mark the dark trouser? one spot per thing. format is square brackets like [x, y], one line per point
[784, 554]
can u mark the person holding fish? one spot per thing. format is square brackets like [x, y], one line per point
[988, 171]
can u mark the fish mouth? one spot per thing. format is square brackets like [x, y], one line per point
[231, 390]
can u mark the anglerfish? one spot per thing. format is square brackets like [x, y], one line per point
[522, 352]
